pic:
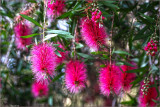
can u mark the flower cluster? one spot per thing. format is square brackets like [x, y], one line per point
[29, 11]
[147, 94]
[43, 61]
[145, 86]
[93, 34]
[75, 77]
[39, 89]
[22, 29]
[55, 8]
[97, 16]
[127, 78]
[110, 80]
[151, 48]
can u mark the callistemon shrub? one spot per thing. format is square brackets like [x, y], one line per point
[127, 78]
[39, 89]
[75, 77]
[93, 34]
[147, 94]
[55, 8]
[22, 29]
[43, 61]
[110, 79]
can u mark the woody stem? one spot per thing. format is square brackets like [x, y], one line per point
[44, 18]
[111, 39]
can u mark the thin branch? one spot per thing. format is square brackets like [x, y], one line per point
[74, 39]
[44, 23]
[111, 33]
[9, 49]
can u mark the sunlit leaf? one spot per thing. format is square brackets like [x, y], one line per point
[28, 36]
[31, 20]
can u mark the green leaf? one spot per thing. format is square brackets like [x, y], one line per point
[60, 49]
[32, 1]
[29, 46]
[105, 56]
[61, 33]
[58, 32]
[35, 40]
[77, 5]
[79, 45]
[103, 65]
[66, 36]
[141, 34]
[126, 63]
[85, 56]
[153, 69]
[109, 4]
[139, 79]
[99, 52]
[156, 101]
[64, 15]
[57, 77]
[132, 101]
[137, 70]
[28, 36]
[56, 45]
[49, 36]
[122, 52]
[50, 101]
[31, 20]
[59, 67]
[108, 1]
[57, 53]
[119, 63]
[127, 102]
[147, 17]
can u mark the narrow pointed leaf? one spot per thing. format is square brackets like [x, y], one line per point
[31, 20]
[28, 36]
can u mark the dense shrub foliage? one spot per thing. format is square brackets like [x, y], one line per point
[80, 52]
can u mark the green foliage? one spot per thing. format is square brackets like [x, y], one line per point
[31, 20]
[134, 25]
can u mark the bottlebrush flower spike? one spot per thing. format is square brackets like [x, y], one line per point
[39, 90]
[22, 29]
[28, 10]
[93, 34]
[55, 8]
[63, 54]
[127, 78]
[145, 99]
[43, 61]
[75, 77]
[110, 80]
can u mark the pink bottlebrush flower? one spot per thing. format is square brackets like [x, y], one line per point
[55, 8]
[43, 61]
[110, 79]
[63, 54]
[127, 78]
[75, 77]
[22, 29]
[39, 90]
[145, 100]
[93, 34]
[146, 48]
